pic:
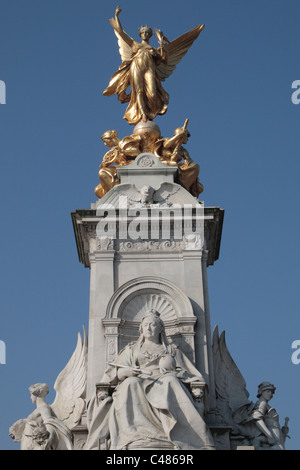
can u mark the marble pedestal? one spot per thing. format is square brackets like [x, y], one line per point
[129, 276]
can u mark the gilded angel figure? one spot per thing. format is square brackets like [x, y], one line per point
[144, 68]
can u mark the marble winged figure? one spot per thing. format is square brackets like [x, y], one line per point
[253, 423]
[144, 68]
[127, 195]
[49, 427]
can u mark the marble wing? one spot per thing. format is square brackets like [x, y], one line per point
[123, 195]
[128, 194]
[70, 386]
[165, 192]
[176, 50]
[231, 392]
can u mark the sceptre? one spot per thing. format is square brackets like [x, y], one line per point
[135, 369]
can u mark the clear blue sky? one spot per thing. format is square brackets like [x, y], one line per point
[56, 58]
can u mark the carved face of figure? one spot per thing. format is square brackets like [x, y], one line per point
[146, 194]
[145, 33]
[185, 137]
[267, 394]
[38, 390]
[151, 328]
[33, 398]
[110, 138]
[266, 387]
[110, 141]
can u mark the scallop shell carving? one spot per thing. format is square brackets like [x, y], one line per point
[138, 306]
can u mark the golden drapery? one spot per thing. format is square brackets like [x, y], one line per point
[141, 75]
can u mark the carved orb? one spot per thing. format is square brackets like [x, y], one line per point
[167, 363]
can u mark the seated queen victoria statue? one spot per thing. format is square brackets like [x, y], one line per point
[152, 405]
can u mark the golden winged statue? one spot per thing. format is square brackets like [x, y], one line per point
[144, 68]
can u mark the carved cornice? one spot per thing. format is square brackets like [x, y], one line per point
[85, 224]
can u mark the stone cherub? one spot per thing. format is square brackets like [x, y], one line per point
[48, 427]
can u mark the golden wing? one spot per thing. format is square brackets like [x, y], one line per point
[124, 42]
[176, 50]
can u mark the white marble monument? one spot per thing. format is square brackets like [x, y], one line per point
[150, 373]
[130, 276]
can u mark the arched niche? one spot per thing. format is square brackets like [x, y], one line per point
[129, 305]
